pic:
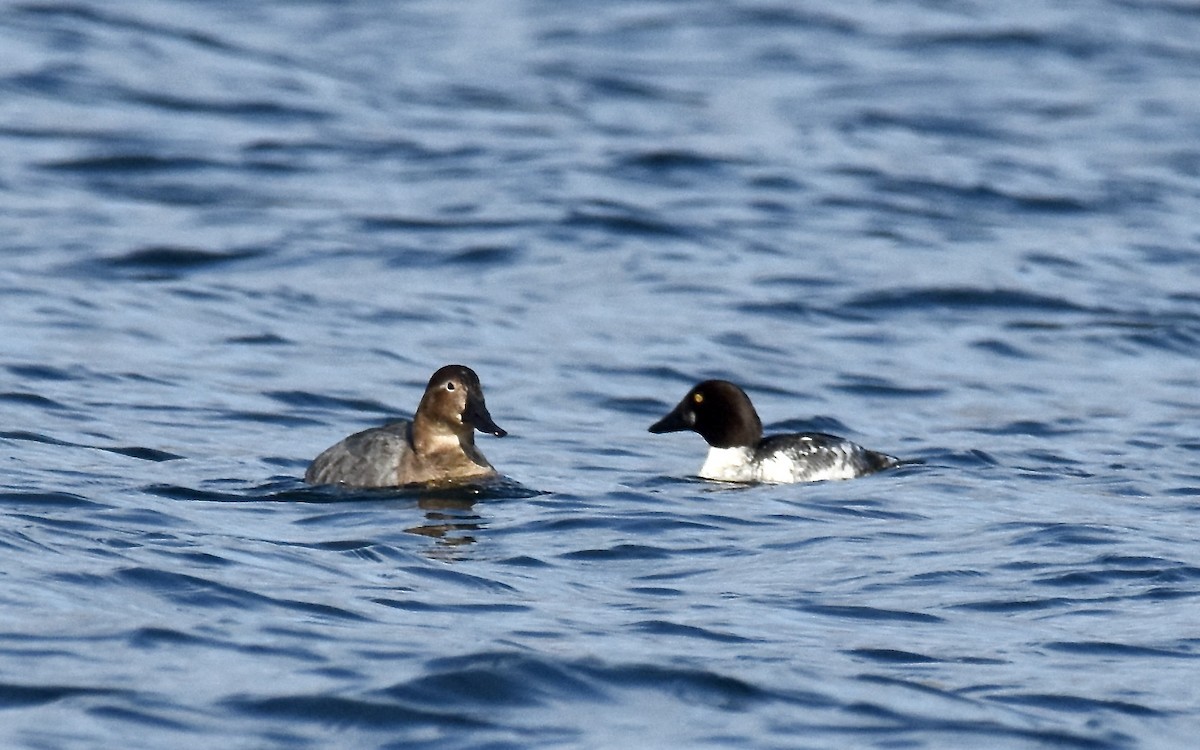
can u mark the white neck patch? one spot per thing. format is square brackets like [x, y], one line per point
[729, 465]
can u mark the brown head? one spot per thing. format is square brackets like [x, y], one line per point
[453, 404]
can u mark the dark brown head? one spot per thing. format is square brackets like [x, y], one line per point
[454, 398]
[718, 410]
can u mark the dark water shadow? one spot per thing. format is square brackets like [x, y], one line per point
[290, 489]
[450, 519]
[132, 451]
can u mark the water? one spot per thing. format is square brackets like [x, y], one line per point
[958, 232]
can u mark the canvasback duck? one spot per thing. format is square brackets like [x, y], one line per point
[436, 447]
[722, 414]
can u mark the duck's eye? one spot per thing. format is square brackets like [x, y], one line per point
[698, 398]
[450, 386]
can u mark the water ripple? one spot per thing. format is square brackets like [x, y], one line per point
[234, 230]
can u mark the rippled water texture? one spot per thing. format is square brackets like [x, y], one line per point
[959, 232]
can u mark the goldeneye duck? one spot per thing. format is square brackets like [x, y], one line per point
[723, 415]
[437, 446]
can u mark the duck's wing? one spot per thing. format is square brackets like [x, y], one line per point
[816, 456]
[370, 458]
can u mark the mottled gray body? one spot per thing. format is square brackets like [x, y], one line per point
[384, 457]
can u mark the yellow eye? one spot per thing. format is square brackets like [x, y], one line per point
[698, 398]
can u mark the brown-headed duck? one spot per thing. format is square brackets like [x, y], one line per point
[436, 447]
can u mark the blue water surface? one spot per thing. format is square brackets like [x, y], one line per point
[959, 232]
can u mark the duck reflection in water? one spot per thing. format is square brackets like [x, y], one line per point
[450, 520]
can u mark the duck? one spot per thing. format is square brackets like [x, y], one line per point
[723, 415]
[436, 447]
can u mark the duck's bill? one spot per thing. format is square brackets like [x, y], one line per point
[477, 416]
[673, 422]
